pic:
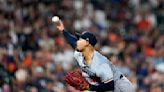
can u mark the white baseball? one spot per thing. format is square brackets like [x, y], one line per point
[55, 19]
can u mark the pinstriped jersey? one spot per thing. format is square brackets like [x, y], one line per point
[99, 70]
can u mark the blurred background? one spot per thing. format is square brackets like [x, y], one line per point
[34, 57]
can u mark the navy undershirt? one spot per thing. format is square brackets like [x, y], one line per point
[71, 39]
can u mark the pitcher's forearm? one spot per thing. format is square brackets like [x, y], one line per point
[71, 39]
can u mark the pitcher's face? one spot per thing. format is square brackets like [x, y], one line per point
[81, 44]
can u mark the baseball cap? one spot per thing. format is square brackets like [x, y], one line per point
[88, 36]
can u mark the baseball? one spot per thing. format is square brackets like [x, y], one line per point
[55, 19]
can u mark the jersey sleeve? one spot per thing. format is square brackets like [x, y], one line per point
[105, 73]
[71, 39]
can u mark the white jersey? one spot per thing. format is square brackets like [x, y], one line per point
[99, 70]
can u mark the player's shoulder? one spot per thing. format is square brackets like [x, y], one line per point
[77, 54]
[100, 58]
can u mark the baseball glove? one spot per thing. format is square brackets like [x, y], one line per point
[75, 79]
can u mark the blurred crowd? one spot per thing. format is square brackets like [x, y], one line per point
[34, 56]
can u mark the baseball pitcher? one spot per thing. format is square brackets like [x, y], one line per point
[96, 69]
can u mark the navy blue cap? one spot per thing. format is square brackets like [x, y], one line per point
[90, 37]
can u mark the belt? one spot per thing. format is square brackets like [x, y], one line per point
[121, 76]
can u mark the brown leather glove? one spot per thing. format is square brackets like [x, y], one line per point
[75, 79]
